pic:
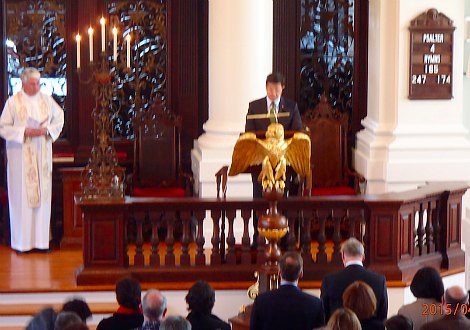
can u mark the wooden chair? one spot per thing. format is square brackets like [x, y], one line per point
[157, 170]
[330, 171]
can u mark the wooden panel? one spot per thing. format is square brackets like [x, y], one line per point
[183, 64]
[431, 56]
[104, 237]
[286, 59]
[73, 226]
[385, 230]
[406, 230]
[454, 224]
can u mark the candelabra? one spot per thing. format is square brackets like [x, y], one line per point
[101, 177]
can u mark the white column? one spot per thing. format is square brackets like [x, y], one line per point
[240, 58]
[408, 142]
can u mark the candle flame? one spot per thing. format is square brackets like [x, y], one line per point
[90, 30]
[78, 37]
[102, 21]
[114, 30]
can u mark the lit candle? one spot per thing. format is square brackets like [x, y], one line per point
[114, 44]
[103, 36]
[90, 38]
[78, 38]
[128, 38]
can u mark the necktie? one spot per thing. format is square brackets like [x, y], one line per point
[272, 112]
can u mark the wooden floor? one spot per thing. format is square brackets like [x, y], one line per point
[40, 272]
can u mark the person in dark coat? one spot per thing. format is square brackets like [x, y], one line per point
[287, 307]
[200, 300]
[129, 315]
[283, 111]
[333, 285]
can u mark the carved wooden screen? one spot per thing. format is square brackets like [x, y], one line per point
[35, 37]
[146, 82]
[327, 53]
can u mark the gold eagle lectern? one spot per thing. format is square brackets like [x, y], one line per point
[274, 154]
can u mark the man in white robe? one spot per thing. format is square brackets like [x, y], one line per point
[30, 122]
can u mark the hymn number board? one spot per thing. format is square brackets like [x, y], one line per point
[431, 38]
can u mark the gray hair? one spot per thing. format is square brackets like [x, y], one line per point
[352, 248]
[153, 304]
[66, 319]
[175, 323]
[29, 73]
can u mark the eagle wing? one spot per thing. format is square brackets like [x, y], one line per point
[248, 151]
[298, 153]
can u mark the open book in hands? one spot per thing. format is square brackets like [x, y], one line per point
[34, 123]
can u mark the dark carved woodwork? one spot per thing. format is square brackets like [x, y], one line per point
[146, 83]
[388, 223]
[330, 168]
[327, 43]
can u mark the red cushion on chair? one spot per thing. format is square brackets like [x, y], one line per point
[121, 155]
[159, 192]
[332, 191]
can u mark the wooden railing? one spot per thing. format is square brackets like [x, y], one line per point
[401, 232]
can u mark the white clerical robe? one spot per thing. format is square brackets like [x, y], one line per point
[29, 167]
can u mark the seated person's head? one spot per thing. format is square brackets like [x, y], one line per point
[427, 283]
[360, 298]
[76, 326]
[291, 266]
[175, 323]
[78, 306]
[66, 320]
[456, 296]
[399, 322]
[128, 293]
[342, 319]
[154, 305]
[201, 298]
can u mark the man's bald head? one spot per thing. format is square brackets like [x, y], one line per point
[154, 305]
[456, 295]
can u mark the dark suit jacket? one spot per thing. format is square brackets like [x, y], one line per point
[286, 308]
[372, 324]
[121, 322]
[453, 322]
[333, 286]
[291, 123]
[206, 322]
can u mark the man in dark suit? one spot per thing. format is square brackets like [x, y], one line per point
[287, 307]
[333, 285]
[454, 310]
[280, 110]
[286, 111]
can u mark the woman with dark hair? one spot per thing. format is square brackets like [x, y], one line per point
[428, 288]
[200, 300]
[129, 315]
